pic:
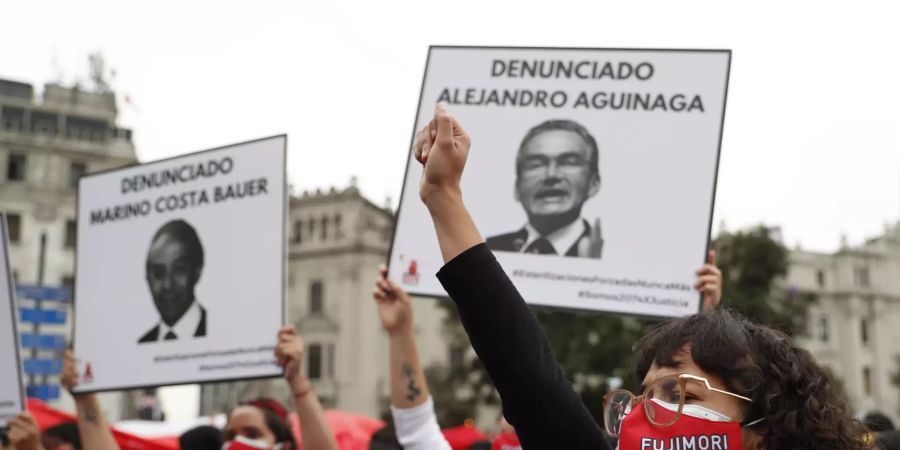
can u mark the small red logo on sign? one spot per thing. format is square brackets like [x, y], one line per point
[88, 374]
[412, 274]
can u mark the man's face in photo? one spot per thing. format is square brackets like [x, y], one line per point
[171, 275]
[554, 174]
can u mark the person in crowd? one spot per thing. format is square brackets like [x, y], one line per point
[385, 438]
[411, 405]
[877, 422]
[264, 426]
[887, 440]
[23, 433]
[204, 437]
[257, 425]
[480, 445]
[92, 427]
[711, 379]
[62, 437]
[260, 427]
[506, 438]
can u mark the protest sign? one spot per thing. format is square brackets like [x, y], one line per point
[180, 268]
[591, 175]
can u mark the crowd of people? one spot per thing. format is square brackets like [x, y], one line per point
[712, 380]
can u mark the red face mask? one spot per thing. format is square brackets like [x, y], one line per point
[688, 433]
[242, 443]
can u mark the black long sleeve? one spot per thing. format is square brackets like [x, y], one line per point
[537, 398]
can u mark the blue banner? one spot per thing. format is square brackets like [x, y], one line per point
[43, 341]
[45, 392]
[43, 293]
[52, 316]
[43, 366]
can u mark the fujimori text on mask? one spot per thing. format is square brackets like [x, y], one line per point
[694, 442]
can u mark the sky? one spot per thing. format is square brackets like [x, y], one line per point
[810, 140]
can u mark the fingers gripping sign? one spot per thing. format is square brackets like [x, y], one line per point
[289, 355]
[69, 376]
[709, 283]
[394, 304]
[24, 433]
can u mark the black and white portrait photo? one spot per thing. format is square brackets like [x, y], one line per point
[174, 266]
[557, 171]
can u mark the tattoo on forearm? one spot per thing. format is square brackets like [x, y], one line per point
[91, 416]
[412, 390]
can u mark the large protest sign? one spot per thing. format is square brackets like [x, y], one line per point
[591, 175]
[180, 269]
[12, 386]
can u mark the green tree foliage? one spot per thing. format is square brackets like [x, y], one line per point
[753, 266]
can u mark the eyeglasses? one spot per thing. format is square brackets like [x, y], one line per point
[668, 391]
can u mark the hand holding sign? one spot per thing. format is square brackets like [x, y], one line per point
[289, 353]
[442, 147]
[709, 283]
[24, 433]
[68, 378]
[394, 305]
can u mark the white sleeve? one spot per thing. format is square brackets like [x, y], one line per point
[417, 428]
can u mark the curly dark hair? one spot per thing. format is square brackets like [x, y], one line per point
[802, 408]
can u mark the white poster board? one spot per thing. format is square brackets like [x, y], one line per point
[12, 385]
[180, 269]
[608, 155]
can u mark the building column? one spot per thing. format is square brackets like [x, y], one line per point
[61, 125]
[848, 342]
[884, 363]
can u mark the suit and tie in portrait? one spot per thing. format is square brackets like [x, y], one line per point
[557, 171]
[174, 264]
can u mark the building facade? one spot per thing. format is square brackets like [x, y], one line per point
[46, 143]
[854, 327]
[337, 240]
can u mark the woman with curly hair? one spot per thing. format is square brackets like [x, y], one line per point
[788, 400]
[711, 381]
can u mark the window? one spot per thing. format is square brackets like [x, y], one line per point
[329, 360]
[823, 331]
[315, 362]
[44, 123]
[15, 167]
[820, 278]
[338, 232]
[13, 118]
[312, 228]
[14, 226]
[76, 170]
[864, 331]
[316, 298]
[298, 232]
[324, 228]
[71, 234]
[861, 277]
[867, 380]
